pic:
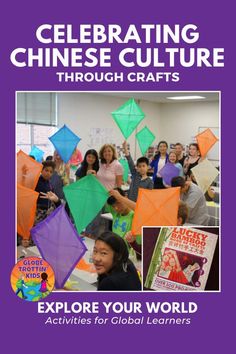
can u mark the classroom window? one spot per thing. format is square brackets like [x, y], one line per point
[29, 135]
[36, 120]
[37, 108]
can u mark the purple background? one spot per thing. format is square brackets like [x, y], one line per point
[23, 329]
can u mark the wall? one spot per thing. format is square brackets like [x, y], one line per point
[87, 114]
[83, 111]
[181, 121]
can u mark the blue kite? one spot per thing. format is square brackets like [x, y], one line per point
[37, 153]
[65, 142]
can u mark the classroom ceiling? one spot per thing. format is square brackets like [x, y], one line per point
[161, 97]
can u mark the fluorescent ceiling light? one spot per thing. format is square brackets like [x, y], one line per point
[186, 98]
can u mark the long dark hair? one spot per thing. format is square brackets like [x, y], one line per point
[120, 249]
[44, 277]
[84, 165]
[158, 154]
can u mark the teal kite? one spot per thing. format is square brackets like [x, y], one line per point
[126, 169]
[37, 153]
[86, 198]
[145, 139]
[65, 142]
[128, 116]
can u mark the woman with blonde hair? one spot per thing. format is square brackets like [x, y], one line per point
[110, 171]
[62, 168]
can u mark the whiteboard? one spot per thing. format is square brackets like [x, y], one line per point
[213, 153]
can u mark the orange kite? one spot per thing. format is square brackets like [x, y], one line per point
[205, 141]
[87, 267]
[157, 207]
[28, 170]
[26, 209]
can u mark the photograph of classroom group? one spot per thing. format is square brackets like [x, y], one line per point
[94, 168]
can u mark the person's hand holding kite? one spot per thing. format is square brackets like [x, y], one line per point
[49, 195]
[114, 193]
[24, 170]
[213, 195]
[91, 172]
[121, 199]
[125, 147]
[129, 237]
[28, 170]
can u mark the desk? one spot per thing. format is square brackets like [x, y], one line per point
[213, 209]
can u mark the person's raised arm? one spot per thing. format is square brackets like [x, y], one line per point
[125, 147]
[129, 203]
[129, 158]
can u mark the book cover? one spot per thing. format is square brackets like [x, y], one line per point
[41, 51]
[181, 260]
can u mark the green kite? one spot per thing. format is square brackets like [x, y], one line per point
[128, 116]
[145, 139]
[86, 198]
[125, 165]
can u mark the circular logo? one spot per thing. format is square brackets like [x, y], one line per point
[32, 279]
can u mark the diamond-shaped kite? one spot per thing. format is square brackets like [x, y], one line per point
[205, 141]
[128, 116]
[37, 153]
[65, 142]
[26, 209]
[28, 170]
[59, 244]
[86, 198]
[125, 165]
[168, 172]
[205, 173]
[157, 207]
[145, 139]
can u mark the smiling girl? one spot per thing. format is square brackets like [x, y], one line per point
[89, 165]
[115, 271]
[174, 160]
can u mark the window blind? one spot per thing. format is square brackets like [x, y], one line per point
[36, 108]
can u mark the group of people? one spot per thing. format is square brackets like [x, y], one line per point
[184, 162]
[112, 247]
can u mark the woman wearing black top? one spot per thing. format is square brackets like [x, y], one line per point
[90, 163]
[192, 160]
[115, 271]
